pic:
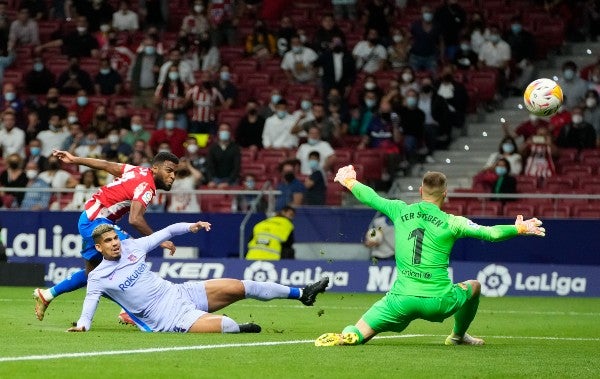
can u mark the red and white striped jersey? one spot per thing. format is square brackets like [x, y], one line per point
[204, 103]
[113, 200]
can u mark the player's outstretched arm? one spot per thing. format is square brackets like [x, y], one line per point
[464, 227]
[113, 168]
[155, 239]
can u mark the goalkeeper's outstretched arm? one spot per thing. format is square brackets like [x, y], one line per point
[464, 227]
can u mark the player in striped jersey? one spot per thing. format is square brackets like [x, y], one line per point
[131, 192]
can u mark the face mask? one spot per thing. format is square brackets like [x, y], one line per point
[38, 66]
[72, 119]
[494, 38]
[411, 101]
[91, 141]
[35, 151]
[198, 8]
[313, 164]
[373, 41]
[173, 75]
[569, 74]
[53, 166]
[82, 101]
[13, 164]
[105, 71]
[369, 86]
[508, 148]
[225, 76]
[31, 174]
[281, 114]
[397, 38]
[150, 50]
[465, 47]
[297, 49]
[252, 112]
[407, 77]
[136, 128]
[312, 141]
[289, 176]
[305, 105]
[192, 149]
[104, 28]
[386, 116]
[577, 119]
[250, 184]
[81, 29]
[427, 16]
[52, 100]
[532, 117]
[170, 124]
[10, 96]
[501, 170]
[590, 102]
[113, 139]
[275, 99]
[516, 28]
[224, 135]
[302, 38]
[370, 103]
[163, 151]
[427, 88]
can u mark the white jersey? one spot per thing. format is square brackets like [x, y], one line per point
[154, 303]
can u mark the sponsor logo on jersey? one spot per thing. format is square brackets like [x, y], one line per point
[147, 197]
[132, 279]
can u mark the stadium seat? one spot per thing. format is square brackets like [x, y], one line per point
[259, 170]
[256, 79]
[488, 208]
[271, 155]
[558, 184]
[526, 183]
[454, 208]
[513, 209]
[231, 54]
[245, 66]
[334, 194]
[343, 157]
[248, 155]
[586, 211]
[486, 82]
[231, 116]
[373, 162]
[553, 211]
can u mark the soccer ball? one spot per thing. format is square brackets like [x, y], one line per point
[543, 97]
[374, 235]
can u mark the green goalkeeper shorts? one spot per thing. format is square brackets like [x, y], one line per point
[394, 312]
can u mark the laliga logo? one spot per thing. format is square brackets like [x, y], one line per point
[495, 280]
[261, 272]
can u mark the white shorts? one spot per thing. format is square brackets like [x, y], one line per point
[193, 305]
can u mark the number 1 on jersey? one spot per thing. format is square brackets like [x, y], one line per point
[418, 235]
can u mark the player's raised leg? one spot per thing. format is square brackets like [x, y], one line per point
[465, 315]
[223, 292]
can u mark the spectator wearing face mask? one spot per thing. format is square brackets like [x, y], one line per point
[143, 75]
[226, 88]
[35, 154]
[206, 101]
[14, 176]
[277, 131]
[426, 37]
[249, 132]
[398, 50]
[369, 54]
[591, 112]
[574, 88]
[35, 200]
[407, 81]
[505, 182]
[56, 176]
[187, 179]
[39, 80]
[451, 19]
[114, 146]
[495, 54]
[525, 129]
[453, 115]
[80, 42]
[136, 132]
[314, 143]
[508, 151]
[360, 118]
[465, 58]
[173, 136]
[74, 79]
[338, 68]
[298, 62]
[224, 160]
[196, 157]
[292, 190]
[83, 110]
[316, 190]
[171, 96]
[108, 81]
[245, 202]
[578, 134]
[182, 67]
[413, 128]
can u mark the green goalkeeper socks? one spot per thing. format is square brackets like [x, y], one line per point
[354, 329]
[464, 316]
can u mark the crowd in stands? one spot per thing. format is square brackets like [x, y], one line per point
[285, 91]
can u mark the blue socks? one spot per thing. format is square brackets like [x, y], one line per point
[267, 291]
[76, 281]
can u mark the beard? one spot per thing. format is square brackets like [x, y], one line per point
[161, 185]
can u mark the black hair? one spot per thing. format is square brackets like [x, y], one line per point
[314, 154]
[163, 157]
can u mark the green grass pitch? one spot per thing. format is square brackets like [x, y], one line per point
[525, 338]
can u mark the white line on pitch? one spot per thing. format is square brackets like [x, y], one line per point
[252, 344]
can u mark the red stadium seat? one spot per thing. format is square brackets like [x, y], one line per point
[334, 194]
[526, 184]
[259, 170]
[256, 79]
[488, 208]
[242, 67]
[553, 211]
[486, 81]
[373, 162]
[513, 209]
[231, 54]
[454, 208]
[248, 155]
[586, 211]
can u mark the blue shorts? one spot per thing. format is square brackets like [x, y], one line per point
[86, 228]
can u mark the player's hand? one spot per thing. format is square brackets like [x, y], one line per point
[76, 329]
[64, 156]
[169, 245]
[195, 228]
[346, 176]
[531, 227]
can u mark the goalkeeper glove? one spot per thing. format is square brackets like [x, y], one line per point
[531, 227]
[346, 176]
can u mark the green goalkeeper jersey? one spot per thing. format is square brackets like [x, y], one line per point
[424, 236]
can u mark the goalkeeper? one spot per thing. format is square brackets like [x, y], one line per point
[424, 239]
